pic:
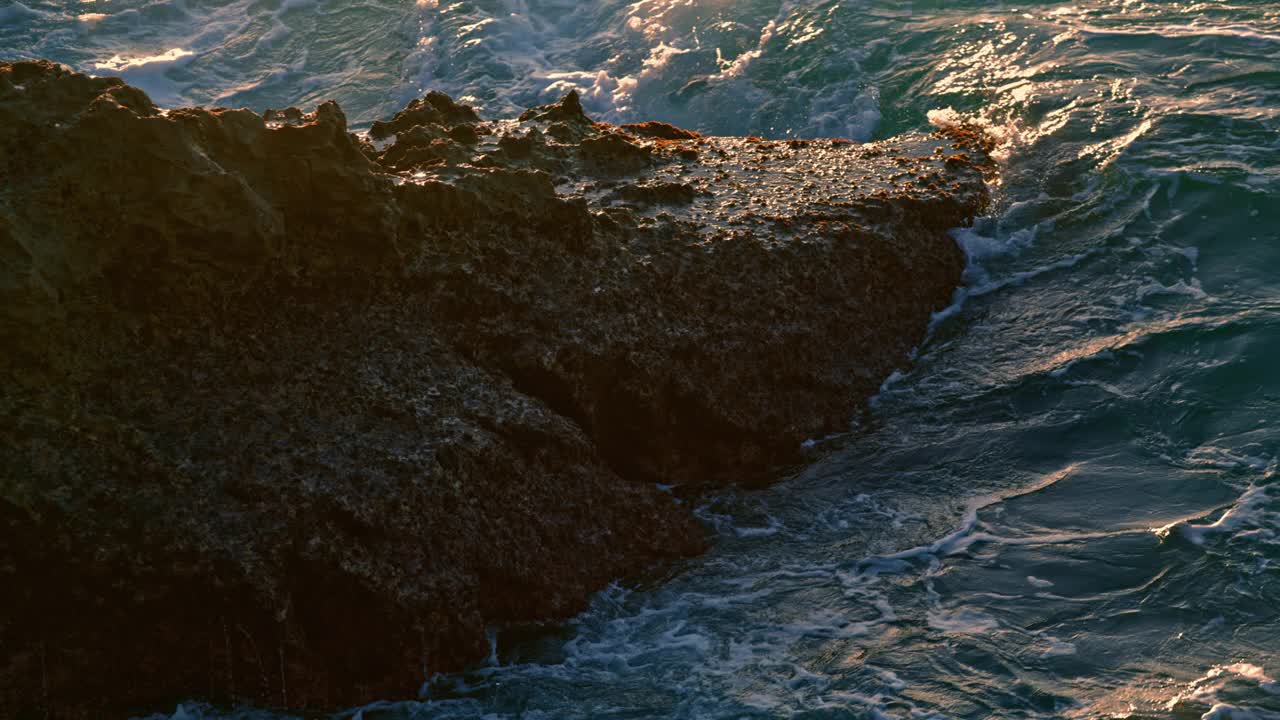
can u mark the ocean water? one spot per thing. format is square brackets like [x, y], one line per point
[1067, 507]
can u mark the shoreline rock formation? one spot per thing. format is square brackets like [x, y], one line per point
[290, 415]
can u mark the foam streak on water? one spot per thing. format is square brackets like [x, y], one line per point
[1067, 507]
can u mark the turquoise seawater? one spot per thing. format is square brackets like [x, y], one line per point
[1067, 507]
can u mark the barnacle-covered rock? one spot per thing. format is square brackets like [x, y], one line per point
[290, 416]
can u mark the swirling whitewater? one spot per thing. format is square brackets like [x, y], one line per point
[1067, 507]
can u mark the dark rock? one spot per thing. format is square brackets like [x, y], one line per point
[521, 147]
[465, 134]
[565, 133]
[424, 146]
[451, 112]
[288, 116]
[434, 109]
[568, 110]
[660, 130]
[613, 153]
[656, 193]
[288, 419]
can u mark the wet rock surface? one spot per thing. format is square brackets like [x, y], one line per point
[291, 416]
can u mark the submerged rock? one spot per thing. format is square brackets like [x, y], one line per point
[290, 418]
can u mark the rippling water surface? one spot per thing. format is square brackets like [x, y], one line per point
[1067, 508]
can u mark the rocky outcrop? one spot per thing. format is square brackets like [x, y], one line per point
[291, 416]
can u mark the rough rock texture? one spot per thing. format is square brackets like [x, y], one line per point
[290, 417]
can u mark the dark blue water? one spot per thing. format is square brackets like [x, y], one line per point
[1066, 508]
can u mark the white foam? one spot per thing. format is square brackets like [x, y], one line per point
[1189, 289]
[1255, 512]
[1058, 648]
[150, 73]
[1005, 137]
[772, 528]
[894, 378]
[657, 47]
[1226, 711]
[962, 621]
[968, 534]
[1188, 30]
[1209, 688]
[979, 284]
